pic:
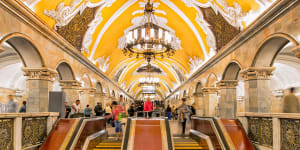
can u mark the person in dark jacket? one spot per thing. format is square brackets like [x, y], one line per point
[23, 108]
[67, 110]
[168, 112]
[98, 109]
[131, 110]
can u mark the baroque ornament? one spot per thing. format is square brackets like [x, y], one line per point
[64, 14]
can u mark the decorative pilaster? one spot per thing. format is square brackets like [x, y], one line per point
[210, 96]
[87, 96]
[296, 51]
[38, 84]
[257, 89]
[227, 101]
[199, 101]
[70, 87]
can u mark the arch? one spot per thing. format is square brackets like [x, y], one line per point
[113, 94]
[65, 72]
[99, 88]
[87, 82]
[211, 80]
[184, 94]
[231, 71]
[199, 87]
[26, 49]
[270, 48]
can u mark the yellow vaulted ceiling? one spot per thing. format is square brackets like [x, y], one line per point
[185, 17]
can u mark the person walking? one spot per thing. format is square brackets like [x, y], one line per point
[116, 110]
[23, 108]
[87, 111]
[148, 107]
[291, 103]
[98, 109]
[168, 111]
[11, 105]
[183, 115]
[68, 110]
[108, 112]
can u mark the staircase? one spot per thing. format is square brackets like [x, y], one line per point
[109, 144]
[187, 143]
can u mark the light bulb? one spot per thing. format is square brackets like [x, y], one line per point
[160, 33]
[152, 33]
[143, 33]
[135, 33]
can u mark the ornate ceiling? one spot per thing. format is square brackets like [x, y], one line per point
[95, 26]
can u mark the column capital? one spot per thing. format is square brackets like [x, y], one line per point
[88, 90]
[296, 51]
[39, 73]
[69, 84]
[257, 73]
[225, 84]
[210, 90]
[199, 94]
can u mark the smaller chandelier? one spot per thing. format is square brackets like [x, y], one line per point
[150, 38]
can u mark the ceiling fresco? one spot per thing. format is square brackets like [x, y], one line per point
[94, 27]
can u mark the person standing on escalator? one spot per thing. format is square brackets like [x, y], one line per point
[148, 108]
[117, 113]
[183, 115]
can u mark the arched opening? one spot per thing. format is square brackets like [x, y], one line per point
[18, 52]
[99, 88]
[276, 51]
[65, 71]
[198, 88]
[211, 80]
[231, 72]
[227, 91]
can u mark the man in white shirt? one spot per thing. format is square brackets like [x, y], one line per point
[76, 107]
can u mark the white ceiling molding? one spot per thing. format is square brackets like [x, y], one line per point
[108, 23]
[189, 23]
[103, 63]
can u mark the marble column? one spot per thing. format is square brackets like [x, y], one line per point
[296, 51]
[70, 88]
[199, 102]
[87, 96]
[227, 100]
[210, 99]
[100, 97]
[257, 89]
[38, 84]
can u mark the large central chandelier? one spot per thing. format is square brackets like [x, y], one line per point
[149, 38]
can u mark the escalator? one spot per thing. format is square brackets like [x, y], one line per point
[187, 143]
[110, 143]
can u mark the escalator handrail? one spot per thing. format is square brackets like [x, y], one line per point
[169, 136]
[93, 136]
[126, 135]
[203, 136]
[217, 131]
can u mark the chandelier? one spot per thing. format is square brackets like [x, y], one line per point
[149, 38]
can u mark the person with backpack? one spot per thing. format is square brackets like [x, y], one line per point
[87, 111]
[98, 109]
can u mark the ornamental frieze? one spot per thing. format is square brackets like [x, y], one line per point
[257, 73]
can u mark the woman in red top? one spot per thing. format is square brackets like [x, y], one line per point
[148, 107]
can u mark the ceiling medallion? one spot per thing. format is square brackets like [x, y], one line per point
[149, 39]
